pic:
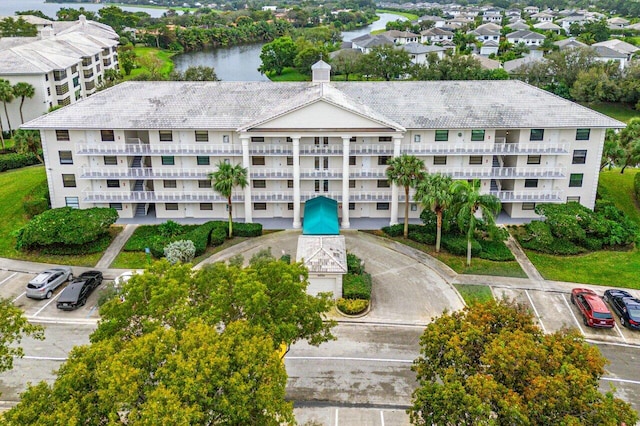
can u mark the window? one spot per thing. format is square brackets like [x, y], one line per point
[289, 184]
[531, 183]
[382, 206]
[417, 138]
[352, 139]
[440, 160]
[442, 135]
[288, 139]
[225, 138]
[168, 160]
[352, 184]
[289, 161]
[573, 199]
[414, 207]
[110, 160]
[65, 157]
[171, 184]
[73, 202]
[62, 135]
[528, 206]
[289, 206]
[202, 136]
[113, 183]
[48, 91]
[257, 139]
[107, 136]
[325, 185]
[69, 181]
[533, 159]
[575, 180]
[206, 206]
[325, 140]
[352, 206]
[260, 184]
[316, 186]
[76, 81]
[352, 160]
[166, 135]
[203, 161]
[383, 183]
[583, 134]
[384, 139]
[579, 156]
[382, 160]
[259, 206]
[477, 135]
[257, 161]
[204, 184]
[115, 206]
[475, 160]
[171, 206]
[536, 135]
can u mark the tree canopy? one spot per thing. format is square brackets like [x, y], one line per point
[491, 364]
[13, 326]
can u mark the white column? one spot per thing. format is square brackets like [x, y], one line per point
[394, 188]
[246, 163]
[296, 182]
[345, 182]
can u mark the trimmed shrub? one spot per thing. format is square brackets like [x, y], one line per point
[496, 251]
[457, 245]
[170, 229]
[218, 236]
[354, 264]
[636, 186]
[37, 200]
[422, 235]
[394, 230]
[356, 286]
[564, 247]
[246, 229]
[17, 161]
[286, 258]
[593, 243]
[180, 251]
[352, 306]
[100, 245]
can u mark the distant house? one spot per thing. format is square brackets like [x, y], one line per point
[531, 10]
[402, 37]
[528, 38]
[542, 17]
[489, 47]
[569, 43]
[518, 25]
[619, 46]
[486, 32]
[365, 42]
[548, 26]
[574, 18]
[458, 22]
[634, 27]
[486, 63]
[435, 35]
[513, 13]
[438, 22]
[617, 22]
[514, 66]
[606, 54]
[492, 15]
[419, 52]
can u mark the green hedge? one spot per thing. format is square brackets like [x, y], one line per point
[356, 286]
[422, 234]
[37, 200]
[457, 245]
[496, 251]
[97, 246]
[354, 264]
[17, 161]
[246, 229]
[636, 186]
[352, 306]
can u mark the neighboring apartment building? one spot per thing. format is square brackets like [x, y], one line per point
[64, 63]
[146, 148]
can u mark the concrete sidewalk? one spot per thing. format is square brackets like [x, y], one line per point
[115, 247]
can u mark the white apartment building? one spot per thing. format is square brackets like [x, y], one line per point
[64, 64]
[147, 147]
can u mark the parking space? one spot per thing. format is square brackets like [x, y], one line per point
[554, 311]
[333, 416]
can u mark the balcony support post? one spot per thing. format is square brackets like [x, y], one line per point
[297, 224]
[248, 212]
[345, 182]
[394, 188]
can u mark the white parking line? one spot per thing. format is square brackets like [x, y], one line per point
[44, 358]
[336, 423]
[14, 300]
[382, 417]
[615, 325]
[544, 330]
[573, 314]
[47, 304]
[8, 278]
[613, 379]
[346, 358]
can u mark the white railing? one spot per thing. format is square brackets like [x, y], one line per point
[386, 149]
[321, 149]
[368, 174]
[144, 173]
[446, 148]
[157, 196]
[271, 149]
[112, 148]
[532, 148]
[527, 196]
[264, 173]
[503, 172]
[321, 173]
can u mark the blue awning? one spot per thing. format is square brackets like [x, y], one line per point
[321, 217]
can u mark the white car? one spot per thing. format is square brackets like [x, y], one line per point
[46, 282]
[123, 278]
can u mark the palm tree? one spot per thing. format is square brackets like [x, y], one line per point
[224, 180]
[28, 141]
[23, 90]
[6, 95]
[434, 193]
[405, 171]
[468, 200]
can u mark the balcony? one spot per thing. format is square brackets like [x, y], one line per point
[320, 149]
[143, 173]
[157, 197]
[266, 173]
[503, 172]
[368, 174]
[136, 147]
[528, 196]
[446, 148]
[88, 73]
[106, 62]
[532, 148]
[269, 149]
[371, 149]
[89, 85]
[321, 173]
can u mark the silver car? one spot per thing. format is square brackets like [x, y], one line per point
[46, 282]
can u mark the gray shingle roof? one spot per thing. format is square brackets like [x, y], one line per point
[410, 104]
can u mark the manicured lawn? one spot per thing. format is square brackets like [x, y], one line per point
[606, 268]
[289, 74]
[473, 294]
[409, 16]
[163, 55]
[619, 187]
[622, 112]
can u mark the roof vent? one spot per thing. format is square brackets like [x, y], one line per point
[82, 19]
[321, 72]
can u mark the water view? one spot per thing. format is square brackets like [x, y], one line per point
[10, 7]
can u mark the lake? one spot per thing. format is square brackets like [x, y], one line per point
[9, 7]
[240, 63]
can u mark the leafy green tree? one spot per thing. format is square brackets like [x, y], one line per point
[346, 62]
[28, 141]
[126, 58]
[224, 180]
[32, 12]
[23, 90]
[595, 85]
[10, 27]
[491, 364]
[405, 171]
[13, 326]
[630, 142]
[308, 56]
[385, 62]
[195, 73]
[434, 193]
[468, 202]
[6, 96]
[71, 14]
[561, 67]
[277, 55]
[612, 152]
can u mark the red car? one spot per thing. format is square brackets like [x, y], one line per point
[595, 312]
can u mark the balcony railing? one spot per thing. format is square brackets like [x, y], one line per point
[157, 196]
[269, 149]
[532, 148]
[87, 73]
[503, 172]
[368, 174]
[110, 148]
[527, 196]
[144, 173]
[267, 173]
[446, 148]
[382, 149]
[321, 150]
[321, 173]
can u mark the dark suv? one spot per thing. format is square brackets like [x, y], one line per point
[626, 306]
[593, 309]
[77, 293]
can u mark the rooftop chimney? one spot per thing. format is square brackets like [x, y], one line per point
[321, 72]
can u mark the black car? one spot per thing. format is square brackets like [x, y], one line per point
[626, 306]
[77, 293]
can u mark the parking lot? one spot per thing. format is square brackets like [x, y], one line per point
[554, 311]
[13, 285]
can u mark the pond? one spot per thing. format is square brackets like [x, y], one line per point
[9, 7]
